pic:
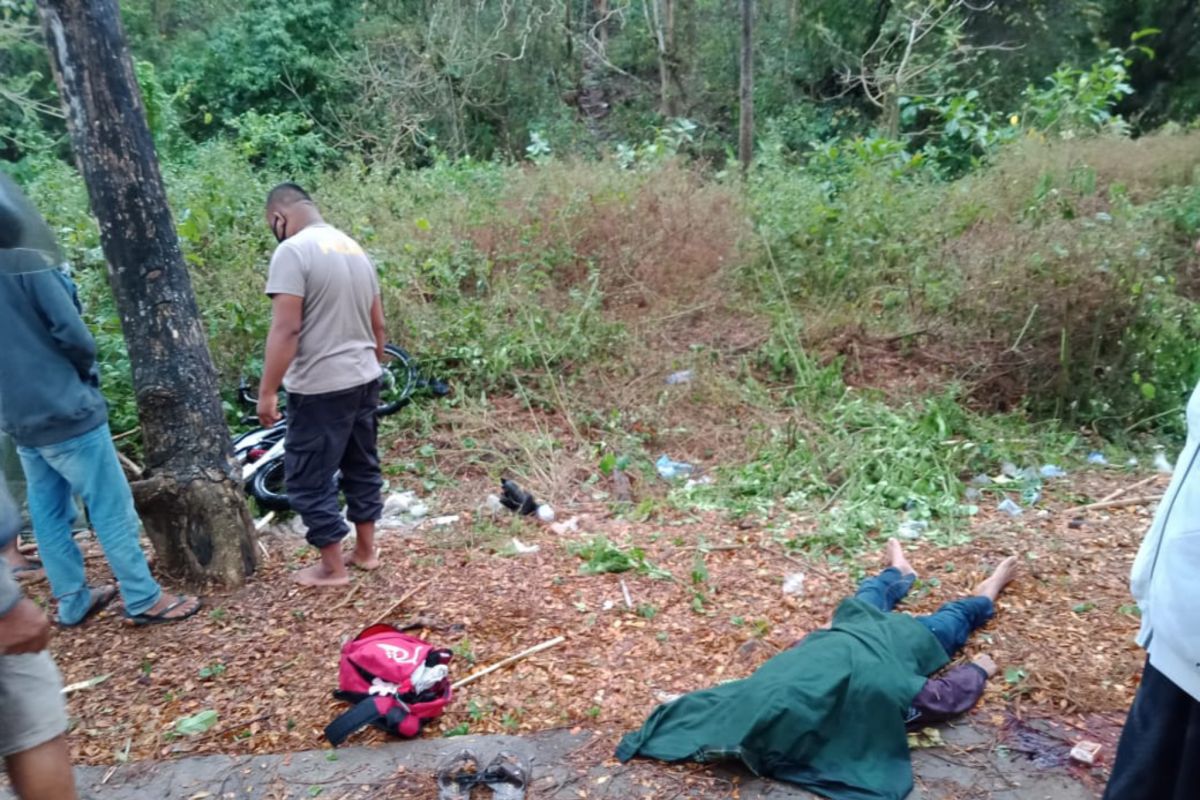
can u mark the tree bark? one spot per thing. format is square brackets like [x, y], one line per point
[592, 97]
[191, 501]
[746, 90]
[661, 18]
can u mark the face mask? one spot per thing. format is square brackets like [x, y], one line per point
[279, 228]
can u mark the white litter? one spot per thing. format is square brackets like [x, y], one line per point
[563, 528]
[398, 502]
[439, 522]
[520, 548]
[545, 512]
[1086, 752]
[793, 584]
[1162, 464]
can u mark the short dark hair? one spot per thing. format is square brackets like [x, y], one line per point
[10, 227]
[287, 193]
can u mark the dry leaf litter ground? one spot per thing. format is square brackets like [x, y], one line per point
[264, 657]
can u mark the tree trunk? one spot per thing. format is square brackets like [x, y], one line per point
[592, 98]
[660, 17]
[746, 91]
[191, 501]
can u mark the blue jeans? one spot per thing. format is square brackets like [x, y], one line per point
[86, 465]
[951, 625]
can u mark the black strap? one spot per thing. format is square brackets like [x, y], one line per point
[395, 716]
[360, 715]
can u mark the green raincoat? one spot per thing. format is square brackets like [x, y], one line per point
[827, 714]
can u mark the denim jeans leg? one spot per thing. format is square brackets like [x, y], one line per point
[51, 510]
[954, 622]
[89, 464]
[886, 589]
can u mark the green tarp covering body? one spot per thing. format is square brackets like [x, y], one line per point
[827, 714]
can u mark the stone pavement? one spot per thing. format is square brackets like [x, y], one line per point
[564, 766]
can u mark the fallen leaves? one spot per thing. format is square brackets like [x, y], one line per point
[264, 658]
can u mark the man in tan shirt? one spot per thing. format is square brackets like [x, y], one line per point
[325, 346]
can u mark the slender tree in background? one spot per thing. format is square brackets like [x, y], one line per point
[746, 90]
[189, 500]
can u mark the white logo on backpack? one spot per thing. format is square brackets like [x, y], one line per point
[383, 688]
[401, 655]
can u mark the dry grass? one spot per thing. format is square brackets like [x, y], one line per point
[1141, 168]
[655, 238]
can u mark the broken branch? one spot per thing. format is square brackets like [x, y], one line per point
[1128, 501]
[557, 640]
[403, 598]
[1127, 489]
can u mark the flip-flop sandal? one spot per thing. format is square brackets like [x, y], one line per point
[506, 776]
[29, 572]
[457, 775]
[100, 598]
[161, 617]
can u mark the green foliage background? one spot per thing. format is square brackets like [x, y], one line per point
[519, 173]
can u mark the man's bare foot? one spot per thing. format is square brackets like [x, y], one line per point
[895, 554]
[995, 584]
[365, 555]
[366, 562]
[320, 575]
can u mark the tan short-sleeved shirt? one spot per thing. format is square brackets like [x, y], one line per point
[339, 285]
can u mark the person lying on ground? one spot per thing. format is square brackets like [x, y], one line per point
[52, 407]
[829, 713]
[326, 347]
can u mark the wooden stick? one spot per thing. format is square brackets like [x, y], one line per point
[625, 591]
[127, 433]
[1126, 489]
[349, 596]
[90, 683]
[402, 599]
[1128, 501]
[557, 640]
[128, 464]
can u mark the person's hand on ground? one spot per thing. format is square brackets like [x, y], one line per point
[985, 662]
[268, 409]
[25, 629]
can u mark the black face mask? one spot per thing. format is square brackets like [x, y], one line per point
[279, 229]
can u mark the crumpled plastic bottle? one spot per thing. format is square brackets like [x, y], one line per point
[673, 470]
[1009, 507]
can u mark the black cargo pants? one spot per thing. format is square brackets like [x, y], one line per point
[327, 433]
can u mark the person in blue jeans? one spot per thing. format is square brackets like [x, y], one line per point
[953, 623]
[958, 689]
[51, 406]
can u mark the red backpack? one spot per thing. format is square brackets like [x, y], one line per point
[395, 681]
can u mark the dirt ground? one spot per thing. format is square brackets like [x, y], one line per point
[264, 657]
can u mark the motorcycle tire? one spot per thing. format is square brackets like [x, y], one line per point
[268, 489]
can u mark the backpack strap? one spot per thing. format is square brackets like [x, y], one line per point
[360, 715]
[395, 716]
